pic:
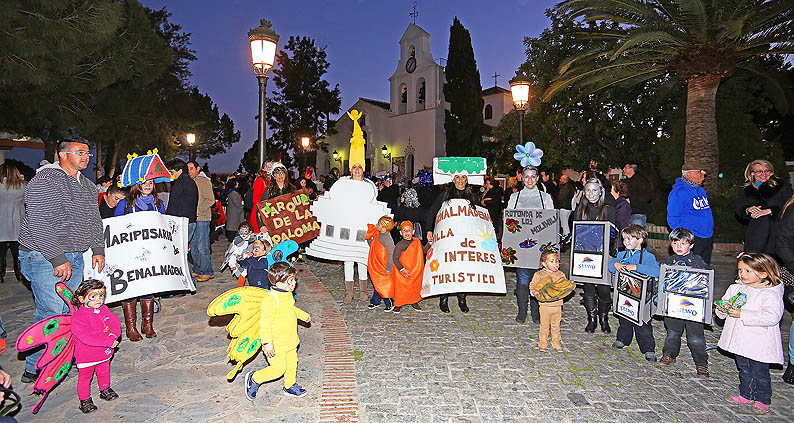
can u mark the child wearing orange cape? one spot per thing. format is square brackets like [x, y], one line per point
[379, 263]
[409, 259]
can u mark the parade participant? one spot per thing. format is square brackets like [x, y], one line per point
[183, 199]
[12, 209]
[256, 265]
[96, 331]
[459, 188]
[109, 201]
[235, 214]
[761, 199]
[389, 193]
[257, 192]
[492, 200]
[239, 245]
[409, 260]
[622, 206]
[635, 259]
[597, 299]
[530, 197]
[688, 207]
[356, 174]
[200, 241]
[61, 222]
[141, 196]
[551, 285]
[681, 240]
[752, 332]
[379, 263]
[278, 332]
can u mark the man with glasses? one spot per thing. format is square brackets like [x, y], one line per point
[61, 222]
[688, 207]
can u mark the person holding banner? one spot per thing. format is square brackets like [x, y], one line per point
[597, 298]
[460, 189]
[530, 197]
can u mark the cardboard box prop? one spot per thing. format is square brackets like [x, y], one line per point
[445, 168]
[287, 217]
[593, 244]
[465, 255]
[686, 293]
[145, 253]
[343, 213]
[527, 233]
[634, 296]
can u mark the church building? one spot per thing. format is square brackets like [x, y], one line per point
[405, 133]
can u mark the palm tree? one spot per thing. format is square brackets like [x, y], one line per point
[701, 42]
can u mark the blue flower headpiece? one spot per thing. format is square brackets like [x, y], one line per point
[528, 154]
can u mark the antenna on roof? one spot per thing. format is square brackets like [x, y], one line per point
[414, 14]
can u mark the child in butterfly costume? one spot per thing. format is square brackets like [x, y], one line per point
[266, 318]
[89, 334]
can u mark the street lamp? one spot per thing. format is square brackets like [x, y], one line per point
[519, 89]
[386, 155]
[305, 144]
[191, 141]
[263, 55]
[337, 157]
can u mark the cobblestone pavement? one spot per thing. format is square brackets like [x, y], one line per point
[179, 376]
[481, 367]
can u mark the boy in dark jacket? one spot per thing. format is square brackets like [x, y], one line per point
[256, 264]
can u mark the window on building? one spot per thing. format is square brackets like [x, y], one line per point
[403, 104]
[420, 94]
[488, 112]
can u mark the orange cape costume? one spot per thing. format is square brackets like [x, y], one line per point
[406, 290]
[377, 264]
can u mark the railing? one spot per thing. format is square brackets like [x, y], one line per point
[659, 239]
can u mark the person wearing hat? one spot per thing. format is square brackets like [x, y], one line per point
[688, 207]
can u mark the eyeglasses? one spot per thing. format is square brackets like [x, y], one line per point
[762, 172]
[81, 153]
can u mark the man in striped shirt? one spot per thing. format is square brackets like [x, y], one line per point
[61, 222]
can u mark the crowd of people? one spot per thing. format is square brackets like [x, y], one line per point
[46, 254]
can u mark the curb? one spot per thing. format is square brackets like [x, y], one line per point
[339, 401]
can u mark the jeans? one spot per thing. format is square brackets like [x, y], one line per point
[3, 333]
[644, 332]
[754, 381]
[639, 219]
[523, 278]
[694, 339]
[703, 247]
[200, 248]
[39, 272]
[790, 343]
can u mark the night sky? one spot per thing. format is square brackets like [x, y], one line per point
[362, 39]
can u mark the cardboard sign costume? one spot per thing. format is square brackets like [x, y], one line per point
[142, 168]
[377, 264]
[408, 290]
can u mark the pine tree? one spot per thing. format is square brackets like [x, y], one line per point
[463, 122]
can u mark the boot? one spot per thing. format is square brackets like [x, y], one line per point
[348, 292]
[147, 316]
[2, 268]
[17, 269]
[534, 310]
[522, 298]
[591, 306]
[443, 303]
[788, 375]
[363, 288]
[603, 317]
[462, 303]
[87, 406]
[130, 320]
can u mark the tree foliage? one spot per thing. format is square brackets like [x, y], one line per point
[463, 122]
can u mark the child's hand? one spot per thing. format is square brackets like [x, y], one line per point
[388, 272]
[619, 266]
[234, 269]
[247, 254]
[309, 319]
[406, 272]
[534, 293]
[269, 350]
[630, 267]
[735, 312]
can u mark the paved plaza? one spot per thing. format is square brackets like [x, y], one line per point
[371, 366]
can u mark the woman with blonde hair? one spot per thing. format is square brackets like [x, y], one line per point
[761, 199]
[12, 209]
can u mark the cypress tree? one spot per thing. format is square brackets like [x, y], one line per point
[463, 122]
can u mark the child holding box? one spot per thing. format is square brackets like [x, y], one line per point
[549, 285]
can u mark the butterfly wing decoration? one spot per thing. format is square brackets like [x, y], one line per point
[245, 303]
[55, 332]
[281, 252]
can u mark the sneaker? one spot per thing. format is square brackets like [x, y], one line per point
[388, 308]
[372, 306]
[618, 345]
[739, 400]
[759, 408]
[87, 406]
[416, 307]
[666, 361]
[295, 391]
[28, 377]
[204, 278]
[250, 386]
[396, 309]
[702, 372]
[650, 356]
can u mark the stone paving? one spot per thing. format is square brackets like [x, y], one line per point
[424, 367]
[481, 367]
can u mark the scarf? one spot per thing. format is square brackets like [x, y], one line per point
[690, 182]
[145, 203]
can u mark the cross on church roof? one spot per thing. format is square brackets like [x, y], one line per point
[494, 76]
[414, 14]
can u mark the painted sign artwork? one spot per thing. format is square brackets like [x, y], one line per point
[527, 233]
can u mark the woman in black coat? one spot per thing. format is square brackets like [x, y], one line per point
[785, 250]
[760, 201]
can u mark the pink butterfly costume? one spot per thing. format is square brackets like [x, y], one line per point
[63, 335]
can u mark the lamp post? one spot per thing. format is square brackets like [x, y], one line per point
[305, 144]
[386, 155]
[191, 141]
[263, 55]
[519, 89]
[336, 157]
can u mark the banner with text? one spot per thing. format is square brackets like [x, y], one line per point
[287, 217]
[527, 233]
[464, 256]
[145, 253]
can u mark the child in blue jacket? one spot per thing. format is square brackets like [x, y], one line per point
[256, 264]
[635, 258]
